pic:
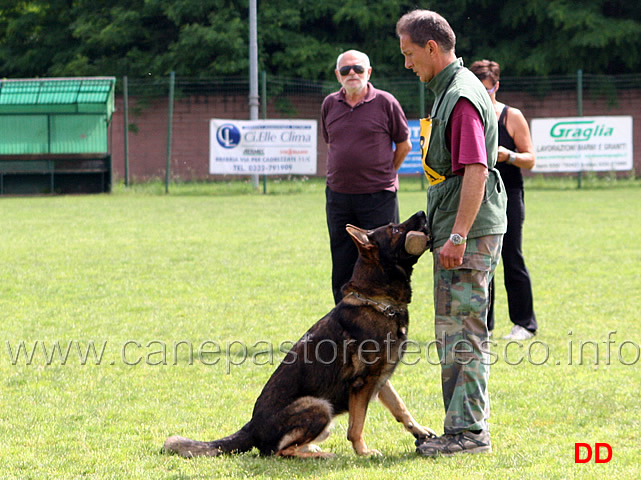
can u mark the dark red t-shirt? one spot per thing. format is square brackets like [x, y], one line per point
[465, 127]
[360, 141]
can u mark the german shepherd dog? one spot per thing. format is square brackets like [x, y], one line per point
[341, 363]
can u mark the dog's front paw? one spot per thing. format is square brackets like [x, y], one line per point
[361, 449]
[422, 433]
[370, 452]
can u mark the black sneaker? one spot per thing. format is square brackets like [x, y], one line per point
[451, 444]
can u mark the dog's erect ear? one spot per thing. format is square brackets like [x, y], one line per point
[360, 237]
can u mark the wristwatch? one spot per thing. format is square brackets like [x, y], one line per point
[511, 158]
[457, 239]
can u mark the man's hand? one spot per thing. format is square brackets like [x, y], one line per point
[451, 255]
[472, 192]
[402, 149]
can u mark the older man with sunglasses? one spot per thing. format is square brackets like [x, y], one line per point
[368, 138]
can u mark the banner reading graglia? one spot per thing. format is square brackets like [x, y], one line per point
[575, 144]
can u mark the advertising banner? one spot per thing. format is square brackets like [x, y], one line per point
[413, 163]
[265, 147]
[574, 144]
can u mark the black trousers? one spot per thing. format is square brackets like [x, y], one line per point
[368, 210]
[516, 276]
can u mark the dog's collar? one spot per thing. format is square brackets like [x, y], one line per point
[388, 309]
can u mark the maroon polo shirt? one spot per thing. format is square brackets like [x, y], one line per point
[361, 141]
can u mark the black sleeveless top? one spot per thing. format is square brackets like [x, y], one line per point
[511, 174]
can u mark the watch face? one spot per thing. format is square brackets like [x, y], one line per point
[456, 239]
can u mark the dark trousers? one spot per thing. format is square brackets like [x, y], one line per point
[516, 276]
[368, 210]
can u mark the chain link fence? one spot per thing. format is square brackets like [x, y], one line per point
[196, 101]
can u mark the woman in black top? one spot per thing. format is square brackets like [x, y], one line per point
[515, 152]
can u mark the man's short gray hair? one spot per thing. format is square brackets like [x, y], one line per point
[355, 52]
[422, 26]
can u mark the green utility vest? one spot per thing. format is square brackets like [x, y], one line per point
[453, 82]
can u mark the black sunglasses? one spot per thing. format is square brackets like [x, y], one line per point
[358, 69]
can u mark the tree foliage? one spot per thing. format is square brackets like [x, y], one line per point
[298, 38]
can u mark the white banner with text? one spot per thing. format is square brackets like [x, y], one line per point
[575, 144]
[266, 147]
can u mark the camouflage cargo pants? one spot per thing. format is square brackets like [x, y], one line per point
[461, 304]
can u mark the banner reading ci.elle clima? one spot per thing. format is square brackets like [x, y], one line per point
[266, 147]
[575, 144]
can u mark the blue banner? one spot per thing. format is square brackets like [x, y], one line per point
[413, 163]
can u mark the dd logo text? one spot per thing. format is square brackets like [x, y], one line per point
[583, 452]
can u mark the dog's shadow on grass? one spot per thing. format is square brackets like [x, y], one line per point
[252, 464]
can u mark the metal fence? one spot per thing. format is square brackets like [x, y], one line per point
[281, 97]
[406, 89]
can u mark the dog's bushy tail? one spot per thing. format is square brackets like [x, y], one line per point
[239, 442]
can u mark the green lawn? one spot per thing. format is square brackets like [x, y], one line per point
[169, 313]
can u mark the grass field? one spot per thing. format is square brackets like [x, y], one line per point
[137, 315]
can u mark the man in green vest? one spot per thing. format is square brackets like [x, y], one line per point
[466, 204]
